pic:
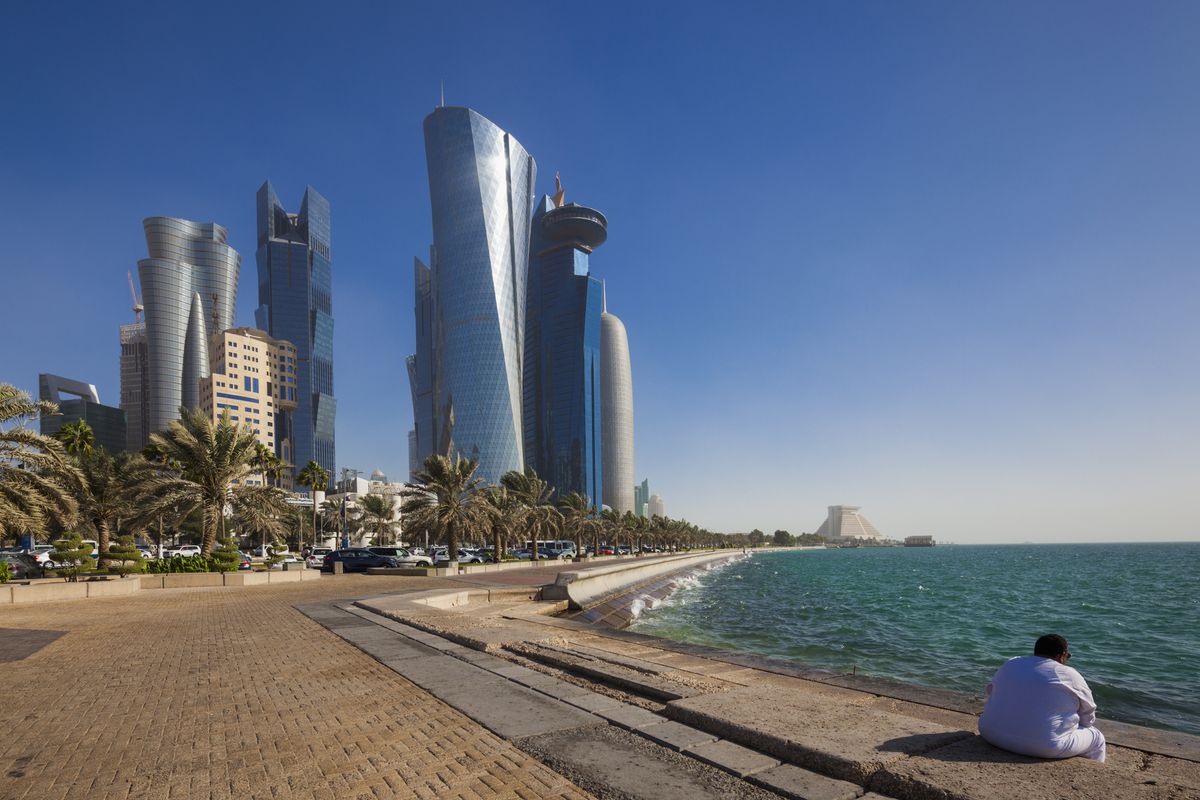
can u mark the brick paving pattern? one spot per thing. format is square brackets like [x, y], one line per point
[232, 693]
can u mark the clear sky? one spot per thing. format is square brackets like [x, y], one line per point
[935, 259]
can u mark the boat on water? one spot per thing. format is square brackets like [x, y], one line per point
[919, 541]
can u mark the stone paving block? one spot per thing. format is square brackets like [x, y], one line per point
[613, 763]
[631, 718]
[734, 758]
[801, 784]
[817, 728]
[972, 769]
[674, 735]
[592, 701]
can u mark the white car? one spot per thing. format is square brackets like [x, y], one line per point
[184, 550]
[42, 553]
[317, 557]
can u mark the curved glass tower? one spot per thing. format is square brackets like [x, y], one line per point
[189, 290]
[616, 381]
[467, 372]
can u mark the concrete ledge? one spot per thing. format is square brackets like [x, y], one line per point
[114, 588]
[48, 592]
[152, 581]
[586, 586]
[246, 578]
[192, 580]
[6, 597]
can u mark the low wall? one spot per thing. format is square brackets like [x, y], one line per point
[50, 591]
[581, 588]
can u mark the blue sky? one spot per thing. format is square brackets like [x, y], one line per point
[934, 259]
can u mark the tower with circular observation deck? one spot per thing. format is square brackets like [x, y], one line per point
[561, 404]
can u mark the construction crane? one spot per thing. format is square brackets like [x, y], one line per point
[137, 307]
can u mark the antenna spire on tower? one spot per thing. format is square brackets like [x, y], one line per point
[443, 85]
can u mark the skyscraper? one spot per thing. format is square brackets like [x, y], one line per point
[135, 385]
[107, 423]
[467, 373]
[616, 380]
[641, 496]
[562, 348]
[189, 289]
[295, 296]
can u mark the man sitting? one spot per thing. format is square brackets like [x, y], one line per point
[1038, 706]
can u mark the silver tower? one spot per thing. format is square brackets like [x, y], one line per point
[466, 375]
[189, 290]
[616, 386]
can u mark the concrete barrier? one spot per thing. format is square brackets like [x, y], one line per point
[48, 592]
[246, 578]
[192, 580]
[5, 595]
[584, 587]
[153, 581]
[114, 588]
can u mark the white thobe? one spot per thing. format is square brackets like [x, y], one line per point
[1039, 707]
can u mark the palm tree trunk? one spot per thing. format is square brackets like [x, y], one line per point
[451, 545]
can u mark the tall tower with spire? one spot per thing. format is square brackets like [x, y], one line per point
[561, 401]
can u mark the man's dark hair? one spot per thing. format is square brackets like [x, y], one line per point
[1051, 646]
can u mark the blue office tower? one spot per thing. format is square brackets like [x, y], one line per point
[295, 296]
[562, 348]
[467, 373]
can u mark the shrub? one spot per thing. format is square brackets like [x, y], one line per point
[125, 552]
[227, 557]
[5, 572]
[72, 556]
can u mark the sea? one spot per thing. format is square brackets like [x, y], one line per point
[948, 616]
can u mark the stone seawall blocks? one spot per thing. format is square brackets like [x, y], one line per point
[192, 580]
[48, 592]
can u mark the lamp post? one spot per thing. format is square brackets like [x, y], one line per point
[345, 503]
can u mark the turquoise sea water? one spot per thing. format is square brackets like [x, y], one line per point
[948, 616]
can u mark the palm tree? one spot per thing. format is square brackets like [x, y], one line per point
[377, 511]
[542, 519]
[610, 521]
[211, 456]
[507, 514]
[107, 490]
[445, 497]
[262, 510]
[77, 438]
[578, 518]
[336, 511]
[314, 477]
[35, 474]
[629, 524]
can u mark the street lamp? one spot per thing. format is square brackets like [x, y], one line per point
[345, 500]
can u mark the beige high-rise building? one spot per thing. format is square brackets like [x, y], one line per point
[253, 380]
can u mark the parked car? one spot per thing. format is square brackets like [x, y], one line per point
[607, 550]
[405, 558]
[271, 550]
[42, 553]
[244, 561]
[317, 556]
[555, 553]
[184, 550]
[23, 566]
[356, 559]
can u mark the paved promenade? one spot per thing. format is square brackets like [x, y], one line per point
[216, 693]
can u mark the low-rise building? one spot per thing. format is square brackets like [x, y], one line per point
[107, 423]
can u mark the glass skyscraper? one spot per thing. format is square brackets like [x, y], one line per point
[562, 348]
[295, 296]
[189, 290]
[467, 373]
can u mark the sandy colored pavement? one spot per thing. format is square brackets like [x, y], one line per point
[224, 693]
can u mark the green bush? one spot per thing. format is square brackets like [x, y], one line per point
[5, 572]
[125, 552]
[181, 564]
[72, 556]
[227, 557]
